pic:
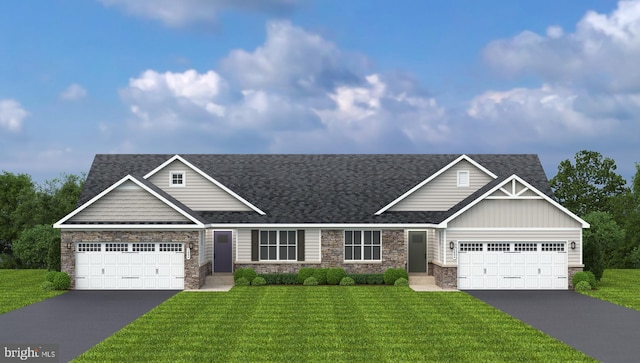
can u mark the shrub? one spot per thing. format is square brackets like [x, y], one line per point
[258, 281]
[280, 279]
[634, 257]
[375, 279]
[321, 275]
[367, 279]
[61, 281]
[50, 276]
[392, 274]
[583, 286]
[335, 275]
[304, 273]
[47, 286]
[347, 281]
[587, 276]
[8, 262]
[53, 255]
[32, 246]
[242, 281]
[246, 272]
[401, 282]
[310, 281]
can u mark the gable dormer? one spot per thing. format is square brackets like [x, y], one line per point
[444, 189]
[195, 189]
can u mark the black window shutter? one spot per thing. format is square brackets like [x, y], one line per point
[254, 245]
[301, 245]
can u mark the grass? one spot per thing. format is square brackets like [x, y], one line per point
[19, 288]
[328, 323]
[619, 287]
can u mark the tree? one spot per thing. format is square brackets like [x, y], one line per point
[589, 185]
[33, 245]
[15, 190]
[602, 243]
[626, 211]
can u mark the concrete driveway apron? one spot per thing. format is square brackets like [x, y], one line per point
[77, 320]
[605, 331]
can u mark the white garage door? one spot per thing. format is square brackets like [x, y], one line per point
[129, 266]
[512, 265]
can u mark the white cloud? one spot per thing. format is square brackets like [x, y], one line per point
[12, 115]
[171, 100]
[545, 113]
[177, 13]
[73, 92]
[294, 90]
[601, 53]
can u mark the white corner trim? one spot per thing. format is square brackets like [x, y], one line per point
[513, 177]
[435, 175]
[206, 176]
[59, 224]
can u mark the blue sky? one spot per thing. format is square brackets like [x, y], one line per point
[79, 78]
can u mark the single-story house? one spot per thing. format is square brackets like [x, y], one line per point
[168, 221]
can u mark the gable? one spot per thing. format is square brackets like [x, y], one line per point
[198, 193]
[128, 203]
[443, 192]
[514, 213]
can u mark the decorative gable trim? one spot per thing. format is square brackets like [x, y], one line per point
[60, 223]
[508, 188]
[206, 176]
[435, 175]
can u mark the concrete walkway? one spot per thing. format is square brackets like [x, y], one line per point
[77, 320]
[605, 331]
[422, 282]
[219, 282]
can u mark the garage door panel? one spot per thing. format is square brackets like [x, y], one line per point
[131, 266]
[520, 265]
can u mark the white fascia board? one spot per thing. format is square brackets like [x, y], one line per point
[131, 227]
[584, 224]
[421, 184]
[59, 224]
[206, 176]
[323, 225]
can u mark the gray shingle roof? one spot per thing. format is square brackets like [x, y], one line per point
[317, 188]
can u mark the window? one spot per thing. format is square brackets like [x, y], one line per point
[177, 179]
[278, 245]
[553, 247]
[170, 247]
[470, 247]
[89, 247]
[144, 247]
[116, 247]
[463, 178]
[362, 246]
[496, 247]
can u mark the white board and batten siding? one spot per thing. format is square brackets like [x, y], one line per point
[198, 193]
[443, 192]
[311, 244]
[128, 203]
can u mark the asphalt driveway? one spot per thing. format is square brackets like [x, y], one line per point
[605, 331]
[77, 320]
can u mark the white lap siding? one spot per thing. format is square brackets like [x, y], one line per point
[311, 244]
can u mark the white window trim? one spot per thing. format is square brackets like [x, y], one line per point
[295, 254]
[184, 179]
[461, 181]
[361, 259]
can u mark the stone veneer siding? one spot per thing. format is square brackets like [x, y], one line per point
[394, 254]
[572, 271]
[193, 277]
[446, 277]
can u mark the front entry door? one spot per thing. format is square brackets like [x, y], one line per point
[417, 251]
[222, 251]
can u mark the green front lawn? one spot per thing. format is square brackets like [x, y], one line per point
[619, 287]
[19, 288]
[328, 323]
